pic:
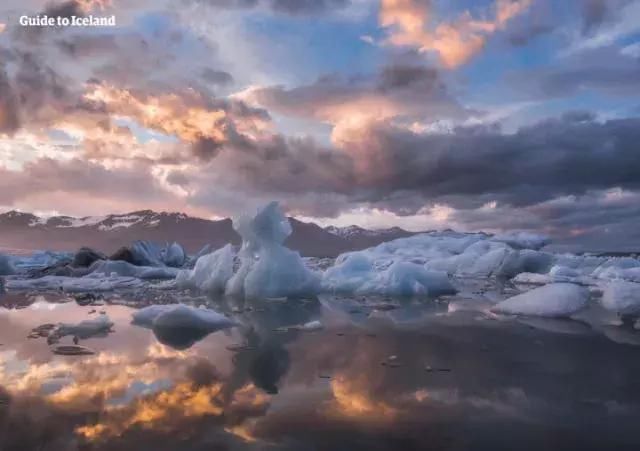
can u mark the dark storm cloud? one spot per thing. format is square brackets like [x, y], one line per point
[555, 157]
[33, 93]
[9, 108]
[597, 13]
[398, 90]
[79, 177]
[597, 221]
[385, 166]
[602, 70]
[216, 77]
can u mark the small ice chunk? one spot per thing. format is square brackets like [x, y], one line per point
[311, 326]
[87, 328]
[554, 300]
[622, 297]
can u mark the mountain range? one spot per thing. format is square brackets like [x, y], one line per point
[25, 232]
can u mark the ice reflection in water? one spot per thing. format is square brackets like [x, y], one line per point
[381, 374]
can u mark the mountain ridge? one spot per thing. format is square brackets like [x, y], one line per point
[27, 231]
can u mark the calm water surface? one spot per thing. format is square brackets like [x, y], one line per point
[412, 378]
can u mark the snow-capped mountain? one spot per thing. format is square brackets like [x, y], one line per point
[27, 232]
[357, 231]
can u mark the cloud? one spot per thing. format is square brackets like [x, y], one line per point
[403, 92]
[605, 70]
[408, 23]
[290, 7]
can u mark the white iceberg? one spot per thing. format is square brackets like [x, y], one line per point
[554, 300]
[459, 254]
[622, 297]
[211, 272]
[267, 268]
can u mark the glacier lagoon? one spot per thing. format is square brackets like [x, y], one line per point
[437, 341]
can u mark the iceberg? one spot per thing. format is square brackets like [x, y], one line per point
[146, 253]
[174, 255]
[459, 254]
[211, 272]
[554, 300]
[267, 268]
[6, 266]
[355, 274]
[622, 297]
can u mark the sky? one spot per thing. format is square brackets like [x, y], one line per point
[425, 114]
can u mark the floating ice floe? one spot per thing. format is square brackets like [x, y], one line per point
[92, 282]
[267, 268]
[553, 300]
[622, 297]
[85, 329]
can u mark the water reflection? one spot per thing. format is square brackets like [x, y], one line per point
[508, 384]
